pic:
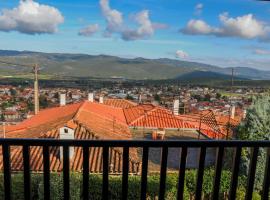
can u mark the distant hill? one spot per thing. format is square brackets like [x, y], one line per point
[206, 75]
[103, 66]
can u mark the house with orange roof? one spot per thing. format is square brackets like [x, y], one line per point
[112, 119]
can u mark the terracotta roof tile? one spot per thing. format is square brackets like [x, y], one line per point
[95, 159]
[148, 115]
[119, 103]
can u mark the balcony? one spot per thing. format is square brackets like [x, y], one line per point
[143, 174]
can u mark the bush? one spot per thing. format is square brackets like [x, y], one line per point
[115, 186]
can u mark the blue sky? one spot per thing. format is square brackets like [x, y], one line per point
[224, 32]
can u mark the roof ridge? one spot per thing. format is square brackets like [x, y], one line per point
[142, 116]
[76, 116]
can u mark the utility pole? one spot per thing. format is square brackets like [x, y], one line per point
[230, 110]
[35, 70]
[232, 80]
[36, 93]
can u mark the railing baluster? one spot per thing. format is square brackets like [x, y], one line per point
[266, 182]
[26, 173]
[251, 173]
[105, 180]
[144, 172]
[46, 173]
[163, 171]
[234, 180]
[85, 173]
[199, 183]
[66, 172]
[7, 175]
[125, 173]
[218, 170]
[182, 171]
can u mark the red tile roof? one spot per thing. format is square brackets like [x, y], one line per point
[206, 122]
[45, 118]
[119, 103]
[113, 122]
[135, 112]
[105, 111]
[157, 117]
[95, 158]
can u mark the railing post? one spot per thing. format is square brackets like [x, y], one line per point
[198, 192]
[125, 173]
[144, 172]
[234, 180]
[26, 170]
[218, 170]
[66, 172]
[266, 182]
[163, 171]
[7, 175]
[182, 170]
[251, 174]
[46, 173]
[85, 173]
[105, 185]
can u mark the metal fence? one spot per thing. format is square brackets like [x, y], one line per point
[145, 145]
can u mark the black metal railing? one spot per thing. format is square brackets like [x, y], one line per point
[145, 145]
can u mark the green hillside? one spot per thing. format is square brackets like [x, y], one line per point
[102, 66]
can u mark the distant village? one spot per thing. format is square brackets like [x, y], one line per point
[17, 103]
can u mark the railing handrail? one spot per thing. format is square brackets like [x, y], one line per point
[106, 145]
[133, 143]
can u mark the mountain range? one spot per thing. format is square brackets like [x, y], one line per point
[104, 66]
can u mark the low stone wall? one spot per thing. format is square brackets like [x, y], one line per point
[174, 154]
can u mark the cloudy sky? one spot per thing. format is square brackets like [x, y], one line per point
[227, 33]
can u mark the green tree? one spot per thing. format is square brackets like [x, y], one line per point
[256, 127]
[157, 98]
[207, 97]
[218, 95]
[13, 92]
[2, 117]
[43, 101]
[129, 97]
[30, 106]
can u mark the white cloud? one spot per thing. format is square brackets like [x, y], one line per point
[113, 17]
[245, 26]
[198, 27]
[261, 52]
[181, 54]
[115, 23]
[31, 17]
[89, 30]
[144, 30]
[198, 9]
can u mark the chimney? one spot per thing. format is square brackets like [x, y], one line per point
[62, 99]
[232, 112]
[91, 97]
[176, 107]
[244, 114]
[101, 99]
[67, 133]
[140, 99]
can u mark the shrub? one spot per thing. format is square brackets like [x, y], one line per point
[115, 186]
